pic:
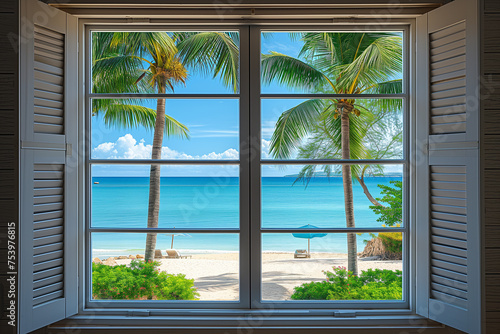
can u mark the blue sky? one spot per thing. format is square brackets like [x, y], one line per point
[213, 125]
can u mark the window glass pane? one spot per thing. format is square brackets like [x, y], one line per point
[165, 62]
[196, 129]
[192, 267]
[314, 267]
[291, 201]
[312, 129]
[332, 62]
[190, 196]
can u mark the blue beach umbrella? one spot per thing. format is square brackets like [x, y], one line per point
[309, 236]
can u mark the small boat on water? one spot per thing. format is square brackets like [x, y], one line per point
[96, 182]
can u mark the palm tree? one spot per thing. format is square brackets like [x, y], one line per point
[154, 62]
[338, 63]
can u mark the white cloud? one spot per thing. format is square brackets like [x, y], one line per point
[127, 147]
[265, 148]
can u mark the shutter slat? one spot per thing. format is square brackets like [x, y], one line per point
[47, 281]
[48, 103]
[48, 240]
[459, 118]
[48, 191]
[448, 170]
[452, 53]
[449, 128]
[48, 87]
[449, 250]
[449, 266]
[49, 95]
[449, 110]
[449, 258]
[48, 297]
[448, 69]
[48, 174]
[47, 248]
[449, 274]
[48, 207]
[448, 62]
[54, 70]
[48, 32]
[443, 232]
[47, 231]
[445, 86]
[48, 199]
[449, 282]
[446, 298]
[47, 265]
[448, 185]
[449, 225]
[453, 29]
[48, 215]
[449, 201]
[449, 193]
[48, 128]
[448, 39]
[436, 287]
[47, 223]
[40, 110]
[443, 94]
[47, 289]
[448, 102]
[57, 80]
[449, 209]
[441, 240]
[48, 256]
[448, 76]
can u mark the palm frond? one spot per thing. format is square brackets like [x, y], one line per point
[213, 52]
[293, 125]
[291, 72]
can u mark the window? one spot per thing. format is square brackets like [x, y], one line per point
[241, 211]
[260, 183]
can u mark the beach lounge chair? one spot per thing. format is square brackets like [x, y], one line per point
[301, 253]
[158, 254]
[173, 254]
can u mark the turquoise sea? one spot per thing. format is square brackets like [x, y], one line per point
[213, 202]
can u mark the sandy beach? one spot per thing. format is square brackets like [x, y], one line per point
[216, 275]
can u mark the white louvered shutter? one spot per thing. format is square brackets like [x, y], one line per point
[48, 224]
[448, 216]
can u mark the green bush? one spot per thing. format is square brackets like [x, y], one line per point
[341, 284]
[140, 281]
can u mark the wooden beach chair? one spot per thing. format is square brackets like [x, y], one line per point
[173, 254]
[301, 253]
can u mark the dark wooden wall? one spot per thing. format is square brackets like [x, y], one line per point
[9, 139]
[490, 144]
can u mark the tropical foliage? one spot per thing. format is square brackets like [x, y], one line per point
[336, 63]
[140, 280]
[155, 62]
[342, 284]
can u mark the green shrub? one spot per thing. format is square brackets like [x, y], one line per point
[140, 281]
[341, 284]
[393, 241]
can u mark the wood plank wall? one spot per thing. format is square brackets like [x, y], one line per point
[9, 141]
[490, 143]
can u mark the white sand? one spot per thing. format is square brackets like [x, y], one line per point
[216, 275]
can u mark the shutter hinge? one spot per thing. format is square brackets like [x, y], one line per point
[344, 314]
[138, 313]
[69, 149]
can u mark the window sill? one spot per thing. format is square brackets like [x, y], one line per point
[239, 324]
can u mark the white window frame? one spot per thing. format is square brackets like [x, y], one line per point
[252, 98]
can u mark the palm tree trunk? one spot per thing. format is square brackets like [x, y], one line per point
[352, 257]
[154, 178]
